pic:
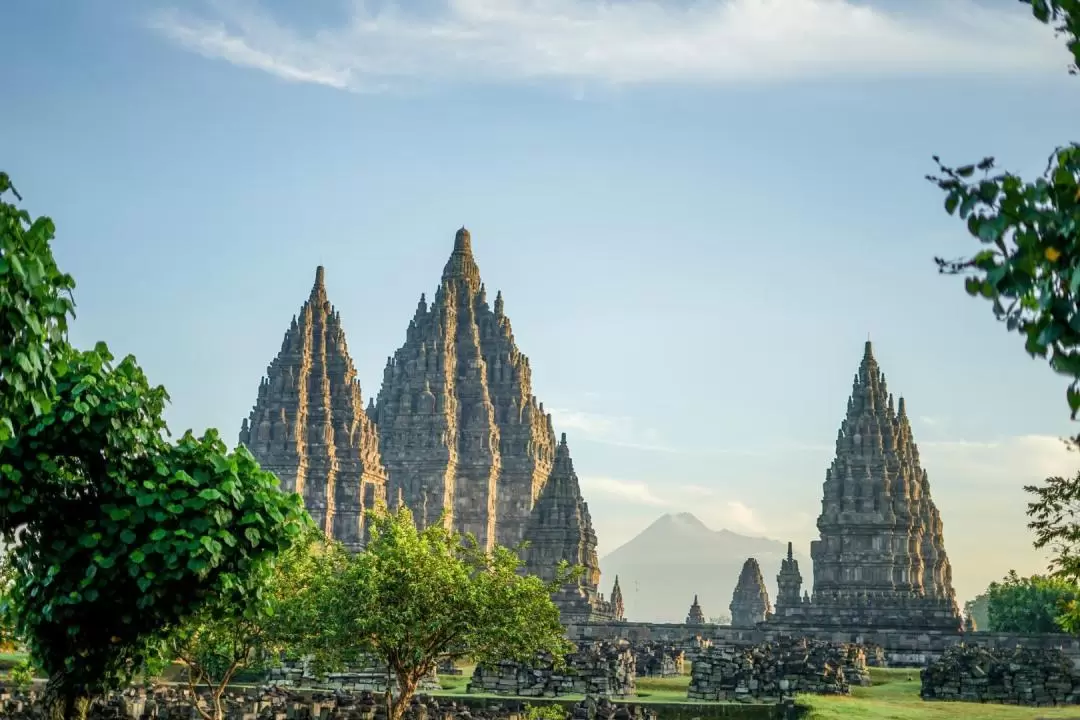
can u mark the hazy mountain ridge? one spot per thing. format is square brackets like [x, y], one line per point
[677, 556]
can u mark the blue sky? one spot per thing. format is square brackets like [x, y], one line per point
[696, 211]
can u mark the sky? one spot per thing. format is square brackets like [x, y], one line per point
[697, 211]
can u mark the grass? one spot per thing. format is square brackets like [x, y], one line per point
[894, 695]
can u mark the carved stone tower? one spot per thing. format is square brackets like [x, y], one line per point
[308, 426]
[460, 430]
[750, 601]
[880, 560]
[617, 606]
[695, 616]
[789, 583]
[560, 529]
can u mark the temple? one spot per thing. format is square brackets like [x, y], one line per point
[750, 600]
[461, 434]
[880, 561]
[309, 428]
[560, 530]
[695, 616]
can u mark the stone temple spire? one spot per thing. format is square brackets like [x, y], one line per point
[881, 540]
[617, 605]
[789, 583]
[308, 425]
[560, 529]
[461, 432]
[695, 616]
[750, 601]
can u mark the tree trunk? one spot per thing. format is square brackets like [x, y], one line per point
[63, 702]
[406, 690]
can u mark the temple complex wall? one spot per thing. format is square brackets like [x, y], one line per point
[902, 647]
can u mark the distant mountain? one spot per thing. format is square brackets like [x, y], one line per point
[678, 556]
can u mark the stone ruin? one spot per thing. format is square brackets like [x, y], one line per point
[880, 561]
[367, 674]
[694, 647]
[1021, 676]
[658, 659]
[777, 671]
[602, 668]
[750, 601]
[695, 616]
[174, 703]
[456, 429]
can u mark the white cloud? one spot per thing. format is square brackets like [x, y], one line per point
[622, 42]
[628, 490]
[618, 430]
[1013, 461]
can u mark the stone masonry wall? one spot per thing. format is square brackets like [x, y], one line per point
[370, 675]
[899, 648]
[776, 670]
[602, 669]
[658, 659]
[1041, 678]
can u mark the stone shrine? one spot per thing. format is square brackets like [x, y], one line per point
[750, 601]
[559, 530]
[880, 561]
[309, 428]
[695, 616]
[460, 431]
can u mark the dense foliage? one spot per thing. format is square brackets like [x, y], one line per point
[1033, 604]
[123, 535]
[226, 637]
[1029, 267]
[414, 597]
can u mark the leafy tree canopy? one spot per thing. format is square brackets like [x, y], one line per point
[414, 597]
[123, 535]
[225, 638]
[1033, 604]
[1029, 267]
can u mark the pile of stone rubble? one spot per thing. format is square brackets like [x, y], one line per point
[169, 703]
[775, 671]
[1022, 676]
[368, 674]
[604, 669]
[658, 659]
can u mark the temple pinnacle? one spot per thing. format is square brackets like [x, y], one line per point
[463, 241]
[319, 288]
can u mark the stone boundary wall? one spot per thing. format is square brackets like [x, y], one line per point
[1022, 676]
[370, 676]
[900, 648]
[776, 671]
[602, 669]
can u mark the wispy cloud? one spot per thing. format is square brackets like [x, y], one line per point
[382, 44]
[626, 490]
[617, 430]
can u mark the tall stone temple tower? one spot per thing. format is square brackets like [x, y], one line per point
[750, 600]
[309, 427]
[460, 431]
[880, 560]
[560, 529]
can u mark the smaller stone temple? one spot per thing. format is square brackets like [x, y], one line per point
[617, 601]
[880, 559]
[559, 530]
[695, 616]
[750, 601]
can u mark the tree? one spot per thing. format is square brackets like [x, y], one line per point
[123, 535]
[415, 597]
[1029, 267]
[226, 638]
[1029, 604]
[7, 612]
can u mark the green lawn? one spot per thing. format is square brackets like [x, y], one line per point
[895, 696]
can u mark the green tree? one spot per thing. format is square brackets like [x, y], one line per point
[1029, 265]
[415, 597]
[1033, 604]
[123, 534]
[226, 638]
